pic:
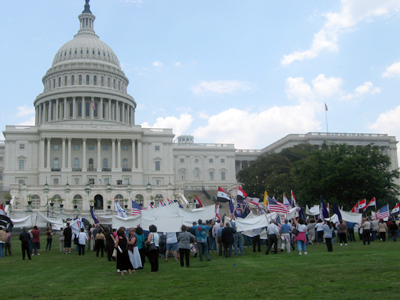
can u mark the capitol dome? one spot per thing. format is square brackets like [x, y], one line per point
[85, 82]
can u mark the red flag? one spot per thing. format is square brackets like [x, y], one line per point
[198, 202]
[222, 196]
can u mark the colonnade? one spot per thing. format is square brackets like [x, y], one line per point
[85, 108]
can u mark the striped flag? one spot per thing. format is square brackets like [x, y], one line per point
[240, 195]
[136, 208]
[383, 212]
[222, 196]
[161, 204]
[370, 203]
[150, 206]
[362, 204]
[355, 208]
[293, 199]
[396, 209]
[275, 206]
[170, 202]
[285, 200]
[198, 202]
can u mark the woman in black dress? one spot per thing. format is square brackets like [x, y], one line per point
[121, 244]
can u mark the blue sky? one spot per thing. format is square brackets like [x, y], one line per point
[245, 72]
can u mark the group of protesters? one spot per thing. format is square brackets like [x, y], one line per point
[130, 247]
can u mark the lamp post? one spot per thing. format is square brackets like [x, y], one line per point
[46, 193]
[87, 189]
[129, 190]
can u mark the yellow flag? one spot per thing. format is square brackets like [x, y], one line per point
[265, 198]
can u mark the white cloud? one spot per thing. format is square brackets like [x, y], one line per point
[221, 87]
[322, 87]
[352, 12]
[141, 107]
[393, 70]
[157, 63]
[177, 64]
[202, 115]
[366, 89]
[25, 111]
[179, 126]
[29, 122]
[249, 130]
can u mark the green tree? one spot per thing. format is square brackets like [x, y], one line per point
[345, 174]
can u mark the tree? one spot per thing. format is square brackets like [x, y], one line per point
[272, 172]
[345, 174]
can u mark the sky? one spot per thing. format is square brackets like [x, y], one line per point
[247, 72]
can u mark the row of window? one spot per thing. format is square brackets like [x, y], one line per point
[196, 175]
[56, 163]
[210, 160]
[90, 147]
[65, 53]
[87, 80]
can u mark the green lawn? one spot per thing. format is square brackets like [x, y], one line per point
[352, 272]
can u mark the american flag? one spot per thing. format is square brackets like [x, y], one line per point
[275, 206]
[136, 209]
[170, 201]
[383, 212]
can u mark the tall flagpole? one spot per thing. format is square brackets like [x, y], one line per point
[326, 118]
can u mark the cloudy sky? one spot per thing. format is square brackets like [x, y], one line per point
[246, 72]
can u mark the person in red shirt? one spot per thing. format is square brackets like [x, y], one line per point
[35, 240]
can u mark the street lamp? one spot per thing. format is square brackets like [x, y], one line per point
[46, 190]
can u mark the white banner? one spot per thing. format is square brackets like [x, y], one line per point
[24, 222]
[193, 215]
[351, 217]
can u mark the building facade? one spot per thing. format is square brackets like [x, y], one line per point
[85, 148]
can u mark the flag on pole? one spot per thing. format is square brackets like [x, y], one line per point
[275, 206]
[170, 201]
[362, 204]
[370, 203]
[93, 216]
[355, 208]
[161, 204]
[222, 196]
[5, 221]
[119, 211]
[324, 211]
[336, 211]
[265, 199]
[150, 206]
[383, 212]
[136, 208]
[326, 107]
[396, 209]
[217, 212]
[240, 195]
[285, 200]
[198, 202]
[293, 199]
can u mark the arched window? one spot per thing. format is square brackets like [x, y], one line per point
[80, 79]
[159, 198]
[56, 164]
[124, 163]
[108, 82]
[139, 199]
[87, 79]
[35, 201]
[90, 163]
[80, 109]
[95, 80]
[57, 200]
[119, 85]
[102, 80]
[114, 84]
[77, 200]
[119, 198]
[196, 173]
[73, 80]
[59, 81]
[76, 163]
[105, 163]
[65, 80]
[54, 83]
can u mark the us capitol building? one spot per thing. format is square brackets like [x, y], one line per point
[85, 148]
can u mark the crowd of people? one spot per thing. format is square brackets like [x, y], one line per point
[130, 248]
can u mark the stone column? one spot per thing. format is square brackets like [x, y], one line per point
[112, 153]
[65, 109]
[84, 154]
[119, 154]
[56, 111]
[48, 153]
[109, 110]
[140, 158]
[123, 112]
[100, 112]
[74, 108]
[133, 155]
[42, 153]
[63, 154]
[91, 108]
[98, 155]
[49, 111]
[83, 108]
[69, 153]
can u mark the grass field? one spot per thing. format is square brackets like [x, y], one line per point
[352, 272]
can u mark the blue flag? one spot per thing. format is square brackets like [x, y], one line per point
[336, 211]
[324, 211]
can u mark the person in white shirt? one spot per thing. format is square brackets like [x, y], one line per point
[273, 233]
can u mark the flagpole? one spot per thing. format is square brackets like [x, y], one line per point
[326, 118]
